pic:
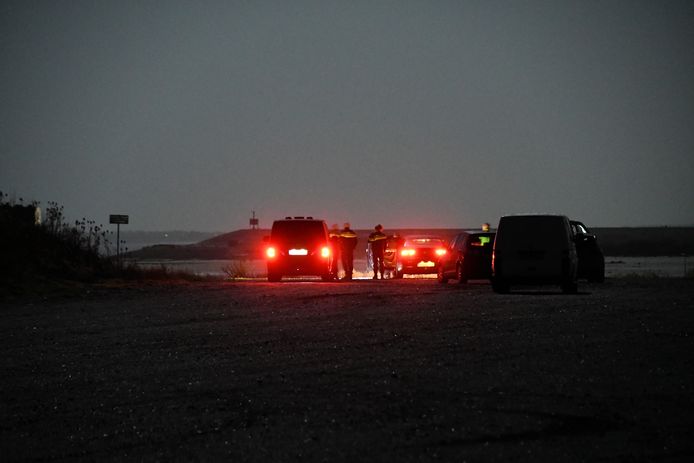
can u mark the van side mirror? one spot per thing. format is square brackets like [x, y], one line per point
[583, 238]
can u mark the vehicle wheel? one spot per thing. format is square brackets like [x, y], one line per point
[274, 277]
[570, 287]
[398, 274]
[500, 286]
[599, 277]
[460, 275]
[440, 276]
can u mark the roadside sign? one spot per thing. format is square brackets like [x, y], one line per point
[118, 219]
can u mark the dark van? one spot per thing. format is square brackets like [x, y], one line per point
[298, 246]
[534, 249]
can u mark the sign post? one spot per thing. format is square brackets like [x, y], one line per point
[118, 219]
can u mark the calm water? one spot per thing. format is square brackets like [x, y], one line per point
[671, 267]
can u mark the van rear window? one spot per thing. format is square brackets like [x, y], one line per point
[537, 230]
[286, 230]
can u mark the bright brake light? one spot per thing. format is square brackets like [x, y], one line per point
[407, 252]
[325, 251]
[271, 252]
[440, 252]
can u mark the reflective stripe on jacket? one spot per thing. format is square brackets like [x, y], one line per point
[348, 240]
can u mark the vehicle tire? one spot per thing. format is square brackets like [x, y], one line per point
[274, 277]
[569, 287]
[441, 277]
[598, 277]
[500, 286]
[398, 274]
[460, 275]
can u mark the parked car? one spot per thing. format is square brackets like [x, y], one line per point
[416, 254]
[534, 249]
[390, 254]
[591, 261]
[468, 257]
[298, 246]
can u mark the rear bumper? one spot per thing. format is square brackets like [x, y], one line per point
[299, 266]
[411, 268]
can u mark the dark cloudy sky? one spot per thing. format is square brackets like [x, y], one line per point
[188, 115]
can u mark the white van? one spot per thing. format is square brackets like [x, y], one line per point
[534, 249]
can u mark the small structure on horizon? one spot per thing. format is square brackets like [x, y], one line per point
[118, 220]
[254, 222]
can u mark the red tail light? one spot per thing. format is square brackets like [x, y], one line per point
[407, 252]
[440, 252]
[270, 252]
[325, 252]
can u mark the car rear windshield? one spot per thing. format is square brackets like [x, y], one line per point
[285, 231]
[479, 241]
[423, 242]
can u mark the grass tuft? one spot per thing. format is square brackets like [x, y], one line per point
[238, 269]
[132, 271]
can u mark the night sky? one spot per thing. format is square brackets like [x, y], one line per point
[188, 115]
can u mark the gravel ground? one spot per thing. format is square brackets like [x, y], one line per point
[403, 370]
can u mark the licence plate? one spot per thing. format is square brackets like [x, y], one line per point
[426, 264]
[298, 252]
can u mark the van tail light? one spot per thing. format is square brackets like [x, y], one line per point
[271, 252]
[325, 252]
[440, 252]
[407, 252]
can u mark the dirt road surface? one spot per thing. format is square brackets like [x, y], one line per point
[367, 371]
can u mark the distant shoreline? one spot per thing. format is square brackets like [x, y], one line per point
[247, 244]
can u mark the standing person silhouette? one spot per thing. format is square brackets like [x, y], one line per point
[377, 241]
[334, 237]
[348, 241]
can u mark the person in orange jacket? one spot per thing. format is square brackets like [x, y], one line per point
[377, 241]
[348, 241]
[334, 237]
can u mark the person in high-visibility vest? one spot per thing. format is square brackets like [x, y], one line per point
[377, 241]
[348, 241]
[334, 237]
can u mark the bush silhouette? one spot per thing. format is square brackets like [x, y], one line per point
[52, 248]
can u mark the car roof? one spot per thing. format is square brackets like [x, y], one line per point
[422, 237]
[300, 218]
[491, 233]
[536, 215]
